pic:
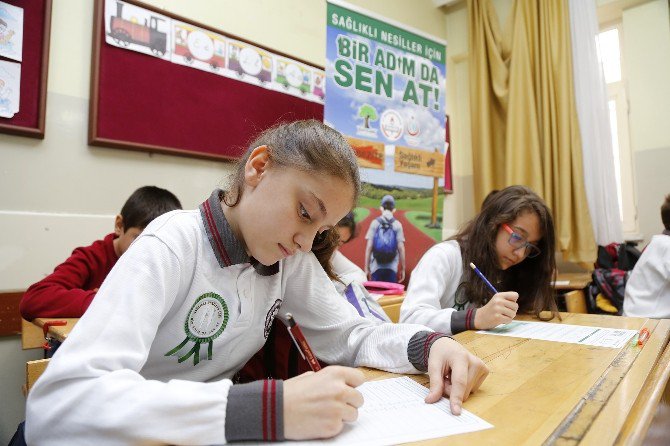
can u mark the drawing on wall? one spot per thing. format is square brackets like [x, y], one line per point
[11, 31]
[198, 48]
[319, 84]
[10, 88]
[293, 77]
[250, 63]
[138, 29]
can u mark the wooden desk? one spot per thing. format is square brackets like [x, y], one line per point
[391, 305]
[32, 336]
[541, 392]
[575, 285]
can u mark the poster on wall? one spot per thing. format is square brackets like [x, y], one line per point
[11, 31]
[10, 88]
[386, 90]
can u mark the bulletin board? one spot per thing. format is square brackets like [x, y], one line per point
[30, 119]
[139, 102]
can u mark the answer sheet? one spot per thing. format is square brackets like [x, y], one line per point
[573, 334]
[394, 412]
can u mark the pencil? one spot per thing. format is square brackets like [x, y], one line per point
[486, 281]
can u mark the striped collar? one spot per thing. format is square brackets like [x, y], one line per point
[227, 248]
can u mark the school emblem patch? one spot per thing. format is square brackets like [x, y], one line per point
[460, 300]
[205, 322]
[270, 317]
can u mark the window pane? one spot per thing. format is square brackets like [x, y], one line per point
[607, 44]
[615, 153]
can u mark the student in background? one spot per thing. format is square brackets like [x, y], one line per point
[350, 278]
[346, 270]
[512, 243]
[385, 249]
[648, 288]
[195, 296]
[70, 289]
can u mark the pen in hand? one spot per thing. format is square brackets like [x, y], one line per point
[500, 309]
[301, 343]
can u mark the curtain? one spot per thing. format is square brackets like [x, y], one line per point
[594, 124]
[525, 128]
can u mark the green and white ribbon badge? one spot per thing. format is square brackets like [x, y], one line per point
[205, 322]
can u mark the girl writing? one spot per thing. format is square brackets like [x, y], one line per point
[512, 242]
[194, 298]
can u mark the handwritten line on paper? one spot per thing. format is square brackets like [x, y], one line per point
[395, 412]
[573, 334]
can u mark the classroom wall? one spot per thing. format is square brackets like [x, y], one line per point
[458, 207]
[59, 193]
[646, 58]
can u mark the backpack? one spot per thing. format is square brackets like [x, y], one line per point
[384, 242]
[623, 256]
[612, 269]
[610, 284]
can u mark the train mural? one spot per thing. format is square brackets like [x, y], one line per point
[290, 74]
[132, 27]
[124, 32]
[196, 45]
[244, 59]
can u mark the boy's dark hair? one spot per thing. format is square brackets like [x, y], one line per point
[145, 204]
[532, 277]
[665, 212]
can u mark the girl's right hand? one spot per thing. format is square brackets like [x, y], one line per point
[501, 309]
[316, 405]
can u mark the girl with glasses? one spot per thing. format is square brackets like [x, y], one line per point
[512, 242]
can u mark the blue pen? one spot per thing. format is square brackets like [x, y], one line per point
[486, 281]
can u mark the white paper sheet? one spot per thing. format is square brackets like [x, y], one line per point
[394, 412]
[573, 334]
[560, 283]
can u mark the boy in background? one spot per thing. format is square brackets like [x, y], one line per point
[648, 288]
[69, 290]
[385, 250]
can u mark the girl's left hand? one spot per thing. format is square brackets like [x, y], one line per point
[454, 372]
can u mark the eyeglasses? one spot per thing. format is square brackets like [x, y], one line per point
[519, 241]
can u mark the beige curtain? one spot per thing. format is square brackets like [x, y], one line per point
[524, 121]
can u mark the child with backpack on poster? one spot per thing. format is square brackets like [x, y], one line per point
[385, 250]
